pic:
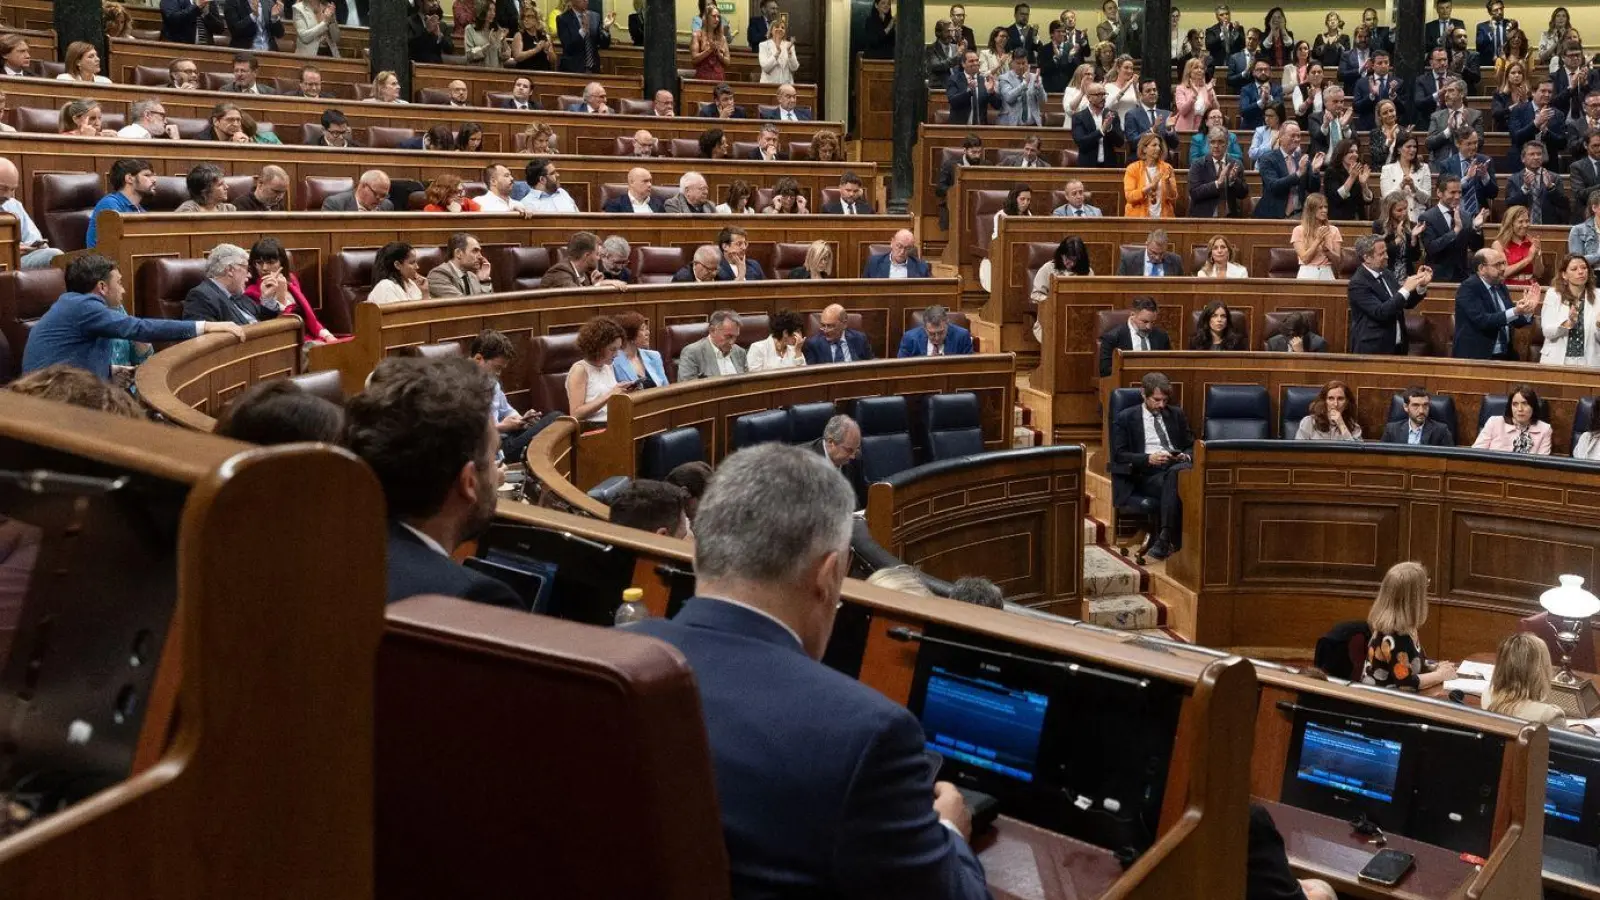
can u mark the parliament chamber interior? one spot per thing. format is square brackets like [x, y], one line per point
[459, 447]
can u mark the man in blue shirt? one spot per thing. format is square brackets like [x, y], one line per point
[132, 183]
[491, 352]
[79, 327]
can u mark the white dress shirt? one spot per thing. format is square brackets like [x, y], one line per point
[495, 203]
[30, 231]
[725, 364]
[1152, 440]
[1140, 340]
[898, 270]
[640, 206]
[558, 202]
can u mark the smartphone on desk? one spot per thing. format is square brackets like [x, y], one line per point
[1387, 867]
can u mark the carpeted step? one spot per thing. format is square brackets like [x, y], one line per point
[1106, 574]
[1128, 612]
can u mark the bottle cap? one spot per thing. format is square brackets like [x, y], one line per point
[633, 595]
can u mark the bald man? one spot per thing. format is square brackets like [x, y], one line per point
[663, 105]
[36, 251]
[702, 267]
[901, 260]
[371, 194]
[271, 193]
[458, 93]
[638, 199]
[836, 341]
[644, 143]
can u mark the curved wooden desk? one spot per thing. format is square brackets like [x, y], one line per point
[190, 382]
[553, 463]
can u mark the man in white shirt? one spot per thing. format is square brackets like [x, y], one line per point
[788, 98]
[458, 93]
[718, 353]
[148, 119]
[638, 199]
[499, 179]
[1077, 205]
[36, 251]
[546, 194]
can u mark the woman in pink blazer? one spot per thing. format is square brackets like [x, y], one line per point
[1519, 430]
[1196, 95]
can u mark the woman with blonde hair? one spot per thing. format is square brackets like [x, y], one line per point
[1219, 263]
[82, 118]
[1316, 241]
[900, 578]
[1149, 186]
[1394, 651]
[1076, 96]
[1196, 95]
[1520, 687]
[818, 264]
[1570, 316]
[386, 88]
[1513, 90]
[83, 64]
[1524, 262]
[1122, 87]
[531, 47]
[540, 140]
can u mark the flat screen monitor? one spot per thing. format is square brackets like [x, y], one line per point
[1563, 796]
[560, 574]
[1349, 765]
[1572, 790]
[984, 723]
[1349, 762]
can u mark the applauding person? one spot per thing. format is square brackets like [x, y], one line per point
[1570, 318]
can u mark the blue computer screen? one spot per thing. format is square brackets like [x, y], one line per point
[1563, 795]
[1350, 762]
[984, 723]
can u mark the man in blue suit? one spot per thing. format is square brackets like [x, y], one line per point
[836, 342]
[1242, 63]
[594, 101]
[787, 109]
[1485, 312]
[970, 93]
[1256, 96]
[583, 35]
[936, 336]
[761, 26]
[77, 329]
[901, 260]
[1287, 176]
[1146, 116]
[736, 264]
[838, 802]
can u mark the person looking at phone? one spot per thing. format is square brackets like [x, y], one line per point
[718, 353]
[1149, 447]
[491, 352]
[592, 382]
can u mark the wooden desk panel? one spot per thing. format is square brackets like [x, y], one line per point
[1324, 847]
[10, 245]
[190, 382]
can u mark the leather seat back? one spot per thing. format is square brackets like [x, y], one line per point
[1582, 420]
[314, 189]
[387, 137]
[1107, 320]
[885, 437]
[346, 281]
[655, 265]
[326, 384]
[1237, 412]
[1495, 405]
[38, 120]
[807, 420]
[25, 296]
[1236, 318]
[786, 256]
[161, 284]
[767, 426]
[630, 107]
[684, 148]
[1294, 404]
[985, 204]
[151, 76]
[1283, 262]
[954, 426]
[434, 96]
[1273, 321]
[517, 268]
[550, 358]
[1441, 409]
[661, 453]
[62, 204]
[170, 193]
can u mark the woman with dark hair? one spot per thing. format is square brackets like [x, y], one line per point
[1071, 258]
[879, 40]
[396, 275]
[1333, 416]
[1570, 316]
[1296, 336]
[786, 198]
[781, 348]
[714, 144]
[470, 138]
[592, 380]
[1407, 174]
[1298, 70]
[208, 193]
[1332, 44]
[636, 362]
[1276, 39]
[1520, 430]
[270, 277]
[818, 264]
[995, 58]
[825, 146]
[279, 412]
[1348, 183]
[740, 196]
[483, 41]
[1515, 51]
[1019, 202]
[1214, 329]
[446, 194]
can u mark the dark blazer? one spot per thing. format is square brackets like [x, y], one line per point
[817, 350]
[752, 271]
[1252, 104]
[962, 99]
[803, 113]
[914, 342]
[1016, 37]
[850, 777]
[261, 89]
[709, 111]
[1205, 196]
[1278, 184]
[1055, 68]
[1569, 96]
[755, 154]
[415, 568]
[1434, 31]
[1086, 135]
[1485, 37]
[1129, 464]
[1583, 176]
[1445, 249]
[1480, 319]
[1221, 48]
[574, 49]
[1376, 307]
[757, 31]
[850, 470]
[836, 208]
[1519, 121]
[1137, 122]
[622, 203]
[878, 267]
[684, 274]
[511, 103]
[1120, 338]
[1314, 343]
[1422, 91]
[242, 27]
[1132, 263]
[1239, 68]
[182, 22]
[1433, 434]
[208, 302]
[1553, 204]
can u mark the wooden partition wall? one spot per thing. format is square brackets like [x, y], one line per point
[1012, 516]
[353, 40]
[190, 382]
[548, 87]
[10, 244]
[552, 464]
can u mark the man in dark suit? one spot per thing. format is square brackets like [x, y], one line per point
[1149, 448]
[1538, 188]
[1417, 429]
[1096, 132]
[1242, 63]
[1439, 28]
[1373, 88]
[220, 297]
[836, 341]
[1146, 116]
[1427, 90]
[971, 94]
[521, 95]
[1224, 39]
[852, 198]
[1536, 121]
[900, 262]
[971, 155]
[761, 26]
[1485, 312]
[1259, 93]
[1573, 80]
[862, 814]
[1584, 176]
[787, 108]
[1378, 303]
[1382, 35]
[1154, 261]
[766, 149]
[958, 21]
[1491, 35]
[253, 24]
[1141, 333]
[1058, 59]
[583, 35]
[246, 80]
[191, 21]
[736, 264]
[1356, 64]
[1019, 34]
[639, 198]
[702, 265]
[1287, 176]
[840, 445]
[426, 428]
[430, 41]
[1217, 187]
[936, 336]
[1449, 234]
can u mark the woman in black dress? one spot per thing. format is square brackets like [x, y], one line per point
[531, 49]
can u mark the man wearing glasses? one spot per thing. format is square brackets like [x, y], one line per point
[148, 119]
[221, 297]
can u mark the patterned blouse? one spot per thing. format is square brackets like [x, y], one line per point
[1394, 660]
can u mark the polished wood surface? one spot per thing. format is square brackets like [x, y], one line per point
[1324, 847]
[265, 787]
[1014, 517]
[190, 382]
[10, 243]
[552, 462]
[548, 87]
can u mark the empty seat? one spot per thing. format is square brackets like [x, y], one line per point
[62, 202]
[326, 384]
[346, 281]
[787, 256]
[1441, 409]
[767, 426]
[807, 421]
[170, 193]
[985, 204]
[627, 106]
[684, 148]
[387, 137]
[550, 357]
[1283, 262]
[1294, 405]
[314, 189]
[1237, 412]
[25, 296]
[161, 284]
[676, 336]
[434, 96]
[517, 268]
[885, 437]
[38, 120]
[661, 453]
[954, 425]
[655, 265]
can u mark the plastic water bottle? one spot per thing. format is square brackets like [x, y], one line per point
[632, 608]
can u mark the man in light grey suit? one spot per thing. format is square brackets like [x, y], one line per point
[715, 354]
[1022, 94]
[371, 194]
[465, 274]
[1451, 119]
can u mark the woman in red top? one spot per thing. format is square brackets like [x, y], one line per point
[447, 195]
[270, 277]
[708, 48]
[1524, 265]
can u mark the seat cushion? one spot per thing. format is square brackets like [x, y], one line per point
[346, 281]
[661, 453]
[807, 420]
[326, 384]
[62, 202]
[1294, 405]
[1237, 411]
[655, 265]
[767, 426]
[550, 357]
[885, 436]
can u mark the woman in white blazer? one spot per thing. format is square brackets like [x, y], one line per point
[778, 59]
[315, 27]
[1570, 317]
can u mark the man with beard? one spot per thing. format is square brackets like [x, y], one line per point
[426, 429]
[132, 183]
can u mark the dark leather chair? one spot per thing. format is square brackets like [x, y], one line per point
[346, 281]
[1237, 412]
[441, 350]
[314, 189]
[1069, 158]
[985, 204]
[1495, 405]
[786, 256]
[387, 137]
[655, 265]
[62, 202]
[1583, 420]
[25, 296]
[807, 420]
[631, 107]
[434, 96]
[1441, 409]
[1545, 626]
[190, 129]
[517, 268]
[215, 81]
[607, 490]
[549, 359]
[661, 453]
[1426, 337]
[684, 148]
[1110, 320]
[953, 426]
[767, 426]
[38, 120]
[565, 100]
[152, 76]
[326, 384]
[161, 284]
[1342, 652]
[363, 90]
[885, 437]
[674, 337]
[743, 149]
[1040, 254]
[1273, 322]
[170, 192]
[238, 187]
[1345, 265]
[1283, 262]
[800, 150]
[310, 133]
[1294, 404]
[941, 116]
[1236, 318]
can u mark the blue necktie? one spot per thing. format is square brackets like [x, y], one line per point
[1469, 194]
[838, 354]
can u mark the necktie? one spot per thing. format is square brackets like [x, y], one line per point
[1333, 133]
[1144, 341]
[849, 209]
[591, 54]
[972, 86]
[1450, 219]
[1469, 194]
[938, 349]
[1536, 208]
[1161, 432]
[838, 355]
[1222, 199]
